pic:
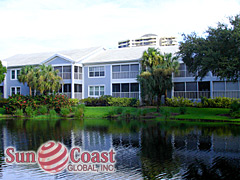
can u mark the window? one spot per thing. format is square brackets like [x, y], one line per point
[96, 90]
[15, 73]
[67, 88]
[116, 87]
[15, 90]
[96, 71]
[125, 71]
[77, 72]
[134, 87]
[179, 86]
[77, 88]
[13, 76]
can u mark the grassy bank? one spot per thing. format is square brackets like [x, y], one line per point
[191, 113]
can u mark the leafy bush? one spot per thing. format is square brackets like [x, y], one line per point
[79, 112]
[55, 102]
[43, 110]
[126, 113]
[218, 102]
[3, 102]
[52, 113]
[30, 111]
[179, 102]
[18, 112]
[74, 101]
[64, 112]
[110, 101]
[124, 102]
[235, 109]
[101, 101]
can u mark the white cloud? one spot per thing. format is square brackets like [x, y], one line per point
[33, 26]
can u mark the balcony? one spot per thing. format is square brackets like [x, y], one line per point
[230, 94]
[77, 76]
[192, 94]
[65, 75]
[126, 94]
[78, 95]
[125, 75]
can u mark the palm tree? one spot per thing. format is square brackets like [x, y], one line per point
[48, 79]
[28, 75]
[42, 78]
[156, 75]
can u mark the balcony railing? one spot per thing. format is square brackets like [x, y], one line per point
[192, 94]
[230, 94]
[124, 75]
[65, 75]
[77, 75]
[78, 95]
[126, 94]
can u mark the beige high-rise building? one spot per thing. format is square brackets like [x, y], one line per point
[148, 40]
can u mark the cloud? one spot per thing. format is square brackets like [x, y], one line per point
[34, 26]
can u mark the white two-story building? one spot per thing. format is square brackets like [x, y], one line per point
[96, 71]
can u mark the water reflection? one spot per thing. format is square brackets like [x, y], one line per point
[154, 150]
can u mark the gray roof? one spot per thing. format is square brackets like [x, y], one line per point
[39, 58]
[91, 55]
[125, 54]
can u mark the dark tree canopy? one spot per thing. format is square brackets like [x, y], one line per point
[3, 70]
[218, 52]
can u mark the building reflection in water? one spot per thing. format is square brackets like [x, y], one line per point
[150, 152]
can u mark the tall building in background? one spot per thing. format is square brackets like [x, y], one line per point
[149, 40]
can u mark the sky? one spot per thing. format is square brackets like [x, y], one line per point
[29, 26]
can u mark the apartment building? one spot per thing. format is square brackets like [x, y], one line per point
[148, 40]
[96, 71]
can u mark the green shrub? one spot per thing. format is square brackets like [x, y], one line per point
[43, 110]
[235, 109]
[101, 101]
[218, 102]
[3, 102]
[81, 106]
[64, 112]
[30, 111]
[182, 110]
[79, 112]
[124, 102]
[111, 112]
[126, 113]
[18, 112]
[52, 113]
[55, 101]
[74, 101]
[179, 102]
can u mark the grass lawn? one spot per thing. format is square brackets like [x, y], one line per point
[191, 114]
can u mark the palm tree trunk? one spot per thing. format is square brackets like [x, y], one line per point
[30, 91]
[165, 97]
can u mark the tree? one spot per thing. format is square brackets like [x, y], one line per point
[43, 78]
[48, 79]
[156, 76]
[3, 70]
[28, 75]
[218, 52]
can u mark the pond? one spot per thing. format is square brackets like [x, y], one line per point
[144, 150]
